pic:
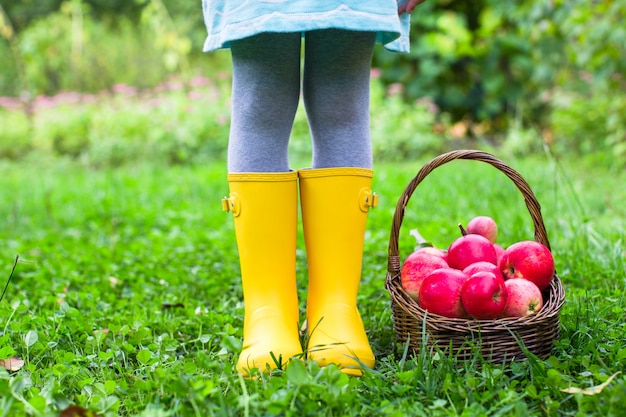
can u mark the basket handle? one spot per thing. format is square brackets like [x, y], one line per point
[394, 262]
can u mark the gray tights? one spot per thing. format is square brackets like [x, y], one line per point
[266, 92]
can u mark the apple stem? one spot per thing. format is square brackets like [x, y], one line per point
[463, 231]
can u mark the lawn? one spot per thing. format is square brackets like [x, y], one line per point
[126, 298]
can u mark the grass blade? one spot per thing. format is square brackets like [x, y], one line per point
[17, 258]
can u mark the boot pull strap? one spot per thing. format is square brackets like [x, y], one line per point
[367, 199]
[231, 204]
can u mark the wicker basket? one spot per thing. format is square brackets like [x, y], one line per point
[500, 340]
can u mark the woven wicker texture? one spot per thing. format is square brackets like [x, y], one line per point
[502, 340]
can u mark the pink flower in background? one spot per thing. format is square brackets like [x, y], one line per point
[90, 98]
[10, 103]
[395, 89]
[68, 97]
[44, 102]
[222, 120]
[155, 102]
[194, 95]
[125, 89]
[198, 88]
[169, 86]
[199, 81]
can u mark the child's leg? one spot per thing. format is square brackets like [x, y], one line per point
[335, 195]
[336, 96]
[264, 195]
[265, 94]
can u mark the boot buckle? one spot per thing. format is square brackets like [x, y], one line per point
[231, 204]
[367, 199]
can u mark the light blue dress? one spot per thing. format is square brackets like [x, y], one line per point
[228, 20]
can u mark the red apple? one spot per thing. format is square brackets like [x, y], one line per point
[482, 266]
[524, 298]
[484, 226]
[499, 251]
[441, 293]
[484, 295]
[416, 267]
[468, 249]
[432, 250]
[528, 259]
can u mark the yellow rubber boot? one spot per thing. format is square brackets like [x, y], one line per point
[265, 212]
[335, 202]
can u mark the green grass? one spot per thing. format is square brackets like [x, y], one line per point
[127, 299]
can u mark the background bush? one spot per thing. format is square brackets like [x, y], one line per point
[170, 124]
[517, 75]
[495, 64]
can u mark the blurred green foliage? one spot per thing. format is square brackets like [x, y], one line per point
[23, 12]
[518, 75]
[526, 73]
[92, 45]
[173, 124]
[486, 59]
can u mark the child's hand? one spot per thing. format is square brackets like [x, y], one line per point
[408, 6]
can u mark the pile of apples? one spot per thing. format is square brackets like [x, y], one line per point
[476, 278]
